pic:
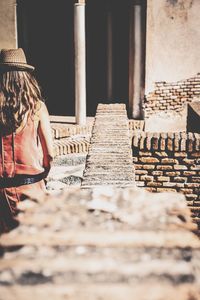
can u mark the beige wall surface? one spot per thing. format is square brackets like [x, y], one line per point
[8, 35]
[173, 40]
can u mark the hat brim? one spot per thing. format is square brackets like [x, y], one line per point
[17, 66]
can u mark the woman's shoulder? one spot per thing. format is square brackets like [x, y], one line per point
[41, 110]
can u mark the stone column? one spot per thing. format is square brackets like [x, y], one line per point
[16, 31]
[109, 56]
[80, 62]
[135, 61]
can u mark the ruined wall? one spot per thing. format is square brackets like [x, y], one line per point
[172, 96]
[172, 50]
[169, 162]
[8, 32]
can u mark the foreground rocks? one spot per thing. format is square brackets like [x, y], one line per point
[103, 243]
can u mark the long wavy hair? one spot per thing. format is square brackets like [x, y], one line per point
[19, 94]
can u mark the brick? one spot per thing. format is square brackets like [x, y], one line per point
[135, 159]
[169, 161]
[137, 177]
[141, 172]
[195, 179]
[166, 190]
[180, 179]
[173, 184]
[180, 154]
[148, 167]
[161, 154]
[188, 161]
[195, 168]
[157, 173]
[186, 191]
[146, 178]
[154, 184]
[189, 173]
[140, 183]
[191, 197]
[195, 154]
[163, 178]
[151, 190]
[145, 153]
[172, 174]
[179, 167]
[164, 167]
[192, 185]
[150, 160]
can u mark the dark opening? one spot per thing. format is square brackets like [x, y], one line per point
[45, 32]
[97, 51]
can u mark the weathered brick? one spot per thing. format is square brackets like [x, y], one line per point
[135, 159]
[148, 167]
[195, 168]
[141, 172]
[195, 154]
[165, 167]
[186, 191]
[145, 153]
[146, 178]
[150, 160]
[191, 197]
[179, 167]
[169, 161]
[163, 178]
[140, 183]
[161, 154]
[180, 179]
[172, 174]
[157, 173]
[189, 173]
[188, 161]
[166, 190]
[192, 185]
[154, 184]
[180, 154]
[195, 179]
[173, 184]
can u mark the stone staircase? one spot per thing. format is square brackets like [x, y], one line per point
[109, 158]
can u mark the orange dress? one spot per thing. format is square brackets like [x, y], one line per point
[20, 153]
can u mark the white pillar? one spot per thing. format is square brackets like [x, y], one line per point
[80, 63]
[109, 56]
[16, 30]
[135, 61]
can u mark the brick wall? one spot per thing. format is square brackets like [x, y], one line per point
[172, 96]
[169, 162]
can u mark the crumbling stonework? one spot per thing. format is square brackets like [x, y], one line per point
[172, 96]
[102, 244]
[70, 138]
[109, 157]
[169, 162]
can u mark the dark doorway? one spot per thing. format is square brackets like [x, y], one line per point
[107, 29]
[45, 31]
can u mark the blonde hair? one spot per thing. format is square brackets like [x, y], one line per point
[19, 94]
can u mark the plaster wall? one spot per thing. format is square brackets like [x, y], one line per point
[172, 49]
[8, 31]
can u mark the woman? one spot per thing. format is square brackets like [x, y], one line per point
[26, 147]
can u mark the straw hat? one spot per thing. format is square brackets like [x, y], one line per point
[14, 59]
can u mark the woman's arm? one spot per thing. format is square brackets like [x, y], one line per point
[45, 135]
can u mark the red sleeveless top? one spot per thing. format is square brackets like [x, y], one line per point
[20, 152]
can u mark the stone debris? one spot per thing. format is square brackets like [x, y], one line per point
[109, 159]
[102, 243]
[67, 170]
